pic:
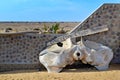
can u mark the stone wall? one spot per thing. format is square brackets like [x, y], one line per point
[21, 51]
[107, 14]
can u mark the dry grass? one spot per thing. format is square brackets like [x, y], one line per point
[68, 74]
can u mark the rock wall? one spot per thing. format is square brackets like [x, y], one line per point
[107, 14]
[21, 51]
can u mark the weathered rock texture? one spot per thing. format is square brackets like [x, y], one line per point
[97, 55]
[107, 14]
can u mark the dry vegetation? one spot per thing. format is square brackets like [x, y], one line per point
[28, 26]
[68, 74]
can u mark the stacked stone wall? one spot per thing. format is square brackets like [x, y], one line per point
[21, 51]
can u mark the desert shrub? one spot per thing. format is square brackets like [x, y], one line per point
[53, 29]
[8, 29]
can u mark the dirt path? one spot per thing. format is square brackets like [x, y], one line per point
[72, 74]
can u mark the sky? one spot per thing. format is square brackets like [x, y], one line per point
[49, 10]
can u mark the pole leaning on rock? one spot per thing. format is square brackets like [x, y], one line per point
[86, 32]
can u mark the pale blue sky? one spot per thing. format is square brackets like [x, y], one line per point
[49, 10]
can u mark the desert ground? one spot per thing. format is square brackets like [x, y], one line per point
[28, 26]
[67, 74]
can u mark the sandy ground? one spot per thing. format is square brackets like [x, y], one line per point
[67, 74]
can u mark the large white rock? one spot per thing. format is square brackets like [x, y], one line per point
[57, 56]
[97, 55]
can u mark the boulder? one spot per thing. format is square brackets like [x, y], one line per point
[97, 55]
[56, 57]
